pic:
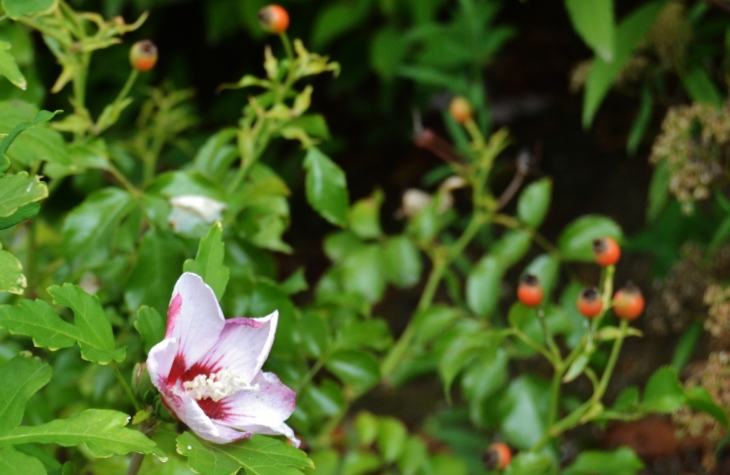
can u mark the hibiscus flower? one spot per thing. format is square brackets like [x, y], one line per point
[208, 369]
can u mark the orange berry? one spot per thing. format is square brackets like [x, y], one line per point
[606, 251]
[529, 292]
[460, 109]
[143, 55]
[497, 456]
[274, 19]
[589, 302]
[628, 302]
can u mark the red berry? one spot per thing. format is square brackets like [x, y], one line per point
[143, 55]
[628, 302]
[529, 292]
[606, 251]
[497, 456]
[589, 302]
[274, 19]
[460, 109]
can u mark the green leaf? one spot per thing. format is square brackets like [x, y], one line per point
[316, 338]
[701, 88]
[511, 247]
[622, 461]
[19, 190]
[9, 68]
[366, 427]
[208, 263]
[89, 230]
[18, 8]
[700, 400]
[523, 409]
[576, 368]
[534, 202]
[593, 20]
[22, 377]
[257, 456]
[643, 117]
[11, 274]
[36, 319]
[529, 463]
[373, 333]
[101, 430]
[325, 399]
[403, 263]
[355, 368]
[576, 240]
[150, 326]
[387, 51]
[326, 187]
[485, 376]
[433, 321]
[364, 218]
[629, 33]
[13, 462]
[155, 273]
[37, 142]
[658, 189]
[392, 436]
[483, 286]
[217, 154]
[363, 272]
[413, 458]
[663, 392]
[461, 351]
[336, 19]
[686, 345]
[95, 335]
[21, 214]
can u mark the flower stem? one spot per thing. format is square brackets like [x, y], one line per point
[287, 46]
[125, 386]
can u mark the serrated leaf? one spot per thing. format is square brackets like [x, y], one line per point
[95, 335]
[9, 68]
[89, 230]
[11, 274]
[576, 240]
[523, 410]
[576, 368]
[593, 20]
[19, 190]
[699, 399]
[13, 462]
[326, 187]
[155, 273]
[511, 247]
[22, 377]
[364, 216]
[257, 456]
[101, 430]
[208, 263]
[36, 319]
[150, 326]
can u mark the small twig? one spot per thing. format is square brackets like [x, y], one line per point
[135, 463]
[429, 140]
[523, 162]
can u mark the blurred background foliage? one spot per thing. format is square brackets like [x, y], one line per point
[628, 117]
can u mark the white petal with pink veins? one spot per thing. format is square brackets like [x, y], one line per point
[243, 346]
[159, 361]
[194, 317]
